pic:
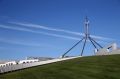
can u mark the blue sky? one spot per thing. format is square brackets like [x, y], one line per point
[50, 27]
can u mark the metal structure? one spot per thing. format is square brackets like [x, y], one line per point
[85, 38]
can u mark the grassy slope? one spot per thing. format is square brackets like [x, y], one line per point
[96, 67]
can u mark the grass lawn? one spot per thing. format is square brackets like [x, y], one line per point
[94, 67]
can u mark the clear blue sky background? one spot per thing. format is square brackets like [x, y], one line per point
[16, 42]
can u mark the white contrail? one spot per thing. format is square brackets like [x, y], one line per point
[46, 28]
[44, 33]
[57, 30]
[19, 42]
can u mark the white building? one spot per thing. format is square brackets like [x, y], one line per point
[7, 63]
[108, 50]
[39, 58]
[28, 61]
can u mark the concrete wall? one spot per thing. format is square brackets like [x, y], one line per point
[27, 65]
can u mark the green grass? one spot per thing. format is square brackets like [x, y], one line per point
[95, 67]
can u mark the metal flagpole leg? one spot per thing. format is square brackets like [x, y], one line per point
[96, 43]
[92, 43]
[83, 46]
[72, 47]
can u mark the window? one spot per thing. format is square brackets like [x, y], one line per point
[109, 49]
